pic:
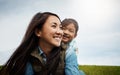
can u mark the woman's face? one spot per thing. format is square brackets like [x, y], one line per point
[69, 33]
[51, 33]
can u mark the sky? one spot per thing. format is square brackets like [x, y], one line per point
[98, 38]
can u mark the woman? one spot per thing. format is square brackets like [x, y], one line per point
[39, 52]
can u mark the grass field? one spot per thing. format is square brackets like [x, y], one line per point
[99, 70]
[0, 67]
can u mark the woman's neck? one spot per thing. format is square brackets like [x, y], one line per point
[46, 48]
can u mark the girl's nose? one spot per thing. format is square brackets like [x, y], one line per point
[65, 31]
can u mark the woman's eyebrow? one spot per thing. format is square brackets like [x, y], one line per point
[54, 23]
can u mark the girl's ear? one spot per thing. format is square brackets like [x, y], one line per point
[75, 35]
[37, 32]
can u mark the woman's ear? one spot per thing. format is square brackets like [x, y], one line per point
[37, 32]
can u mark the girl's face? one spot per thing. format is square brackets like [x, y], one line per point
[51, 33]
[69, 33]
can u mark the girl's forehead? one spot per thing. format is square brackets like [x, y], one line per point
[70, 25]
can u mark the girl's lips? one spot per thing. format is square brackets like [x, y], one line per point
[65, 36]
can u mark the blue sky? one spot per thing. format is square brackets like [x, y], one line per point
[99, 21]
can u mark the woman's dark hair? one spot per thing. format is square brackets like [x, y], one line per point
[17, 62]
[68, 21]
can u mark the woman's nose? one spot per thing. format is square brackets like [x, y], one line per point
[60, 31]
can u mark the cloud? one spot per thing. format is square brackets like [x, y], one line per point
[97, 60]
[98, 37]
[5, 55]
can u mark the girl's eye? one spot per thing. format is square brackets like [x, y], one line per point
[63, 28]
[72, 31]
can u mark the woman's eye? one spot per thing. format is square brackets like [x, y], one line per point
[54, 26]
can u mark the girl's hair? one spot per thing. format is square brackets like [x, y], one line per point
[17, 62]
[68, 21]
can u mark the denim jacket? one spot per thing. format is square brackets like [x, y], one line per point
[71, 64]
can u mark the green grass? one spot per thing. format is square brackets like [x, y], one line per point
[0, 67]
[100, 70]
